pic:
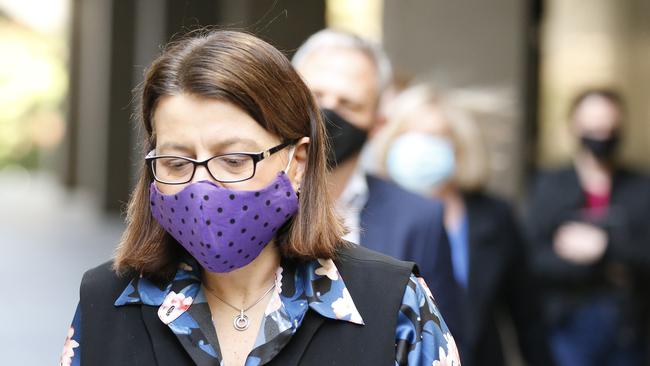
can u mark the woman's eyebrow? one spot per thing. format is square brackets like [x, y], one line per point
[173, 146]
[246, 142]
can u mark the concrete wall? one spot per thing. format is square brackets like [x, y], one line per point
[113, 42]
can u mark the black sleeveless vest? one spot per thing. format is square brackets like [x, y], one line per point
[133, 335]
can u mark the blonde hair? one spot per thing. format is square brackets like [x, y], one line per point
[472, 168]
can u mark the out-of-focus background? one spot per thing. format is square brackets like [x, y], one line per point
[68, 145]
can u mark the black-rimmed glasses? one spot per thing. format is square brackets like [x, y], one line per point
[226, 168]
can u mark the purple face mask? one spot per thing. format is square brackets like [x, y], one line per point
[224, 229]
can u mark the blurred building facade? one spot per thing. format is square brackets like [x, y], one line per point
[521, 62]
[112, 42]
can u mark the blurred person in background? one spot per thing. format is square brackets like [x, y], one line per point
[347, 75]
[435, 149]
[233, 253]
[588, 224]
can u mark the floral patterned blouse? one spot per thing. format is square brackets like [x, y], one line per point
[421, 336]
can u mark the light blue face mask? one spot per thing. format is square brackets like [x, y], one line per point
[420, 162]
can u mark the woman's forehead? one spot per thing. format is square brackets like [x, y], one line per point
[189, 120]
[427, 119]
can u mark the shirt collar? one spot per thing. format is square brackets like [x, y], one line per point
[355, 194]
[316, 284]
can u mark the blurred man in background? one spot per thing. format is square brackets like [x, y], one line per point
[348, 74]
[588, 225]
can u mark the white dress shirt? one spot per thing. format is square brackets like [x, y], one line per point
[351, 202]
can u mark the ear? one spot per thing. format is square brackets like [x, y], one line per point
[299, 163]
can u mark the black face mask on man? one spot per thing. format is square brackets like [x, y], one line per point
[602, 149]
[345, 139]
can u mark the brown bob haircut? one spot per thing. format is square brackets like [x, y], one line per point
[253, 75]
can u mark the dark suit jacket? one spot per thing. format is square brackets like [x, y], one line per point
[499, 282]
[556, 199]
[408, 227]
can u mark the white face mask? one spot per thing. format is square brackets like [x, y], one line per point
[420, 162]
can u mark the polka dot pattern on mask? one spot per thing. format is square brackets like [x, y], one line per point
[224, 229]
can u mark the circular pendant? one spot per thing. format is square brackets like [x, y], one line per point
[241, 322]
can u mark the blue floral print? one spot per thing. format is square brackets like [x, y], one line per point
[421, 338]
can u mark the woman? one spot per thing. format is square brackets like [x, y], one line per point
[591, 247]
[433, 148]
[232, 254]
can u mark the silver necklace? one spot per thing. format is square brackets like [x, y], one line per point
[241, 321]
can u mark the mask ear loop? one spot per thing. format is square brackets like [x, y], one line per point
[286, 170]
[291, 152]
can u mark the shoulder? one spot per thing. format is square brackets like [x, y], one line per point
[102, 276]
[397, 197]
[633, 178]
[550, 181]
[358, 257]
[376, 282]
[103, 271]
[374, 272]
[485, 199]
[553, 175]
[103, 282]
[488, 203]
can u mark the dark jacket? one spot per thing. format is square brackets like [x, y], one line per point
[557, 198]
[134, 335]
[499, 282]
[408, 227]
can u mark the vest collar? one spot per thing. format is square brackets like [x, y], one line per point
[317, 282]
[182, 306]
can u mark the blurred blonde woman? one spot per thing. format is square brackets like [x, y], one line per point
[434, 148]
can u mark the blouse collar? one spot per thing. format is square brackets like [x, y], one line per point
[315, 285]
